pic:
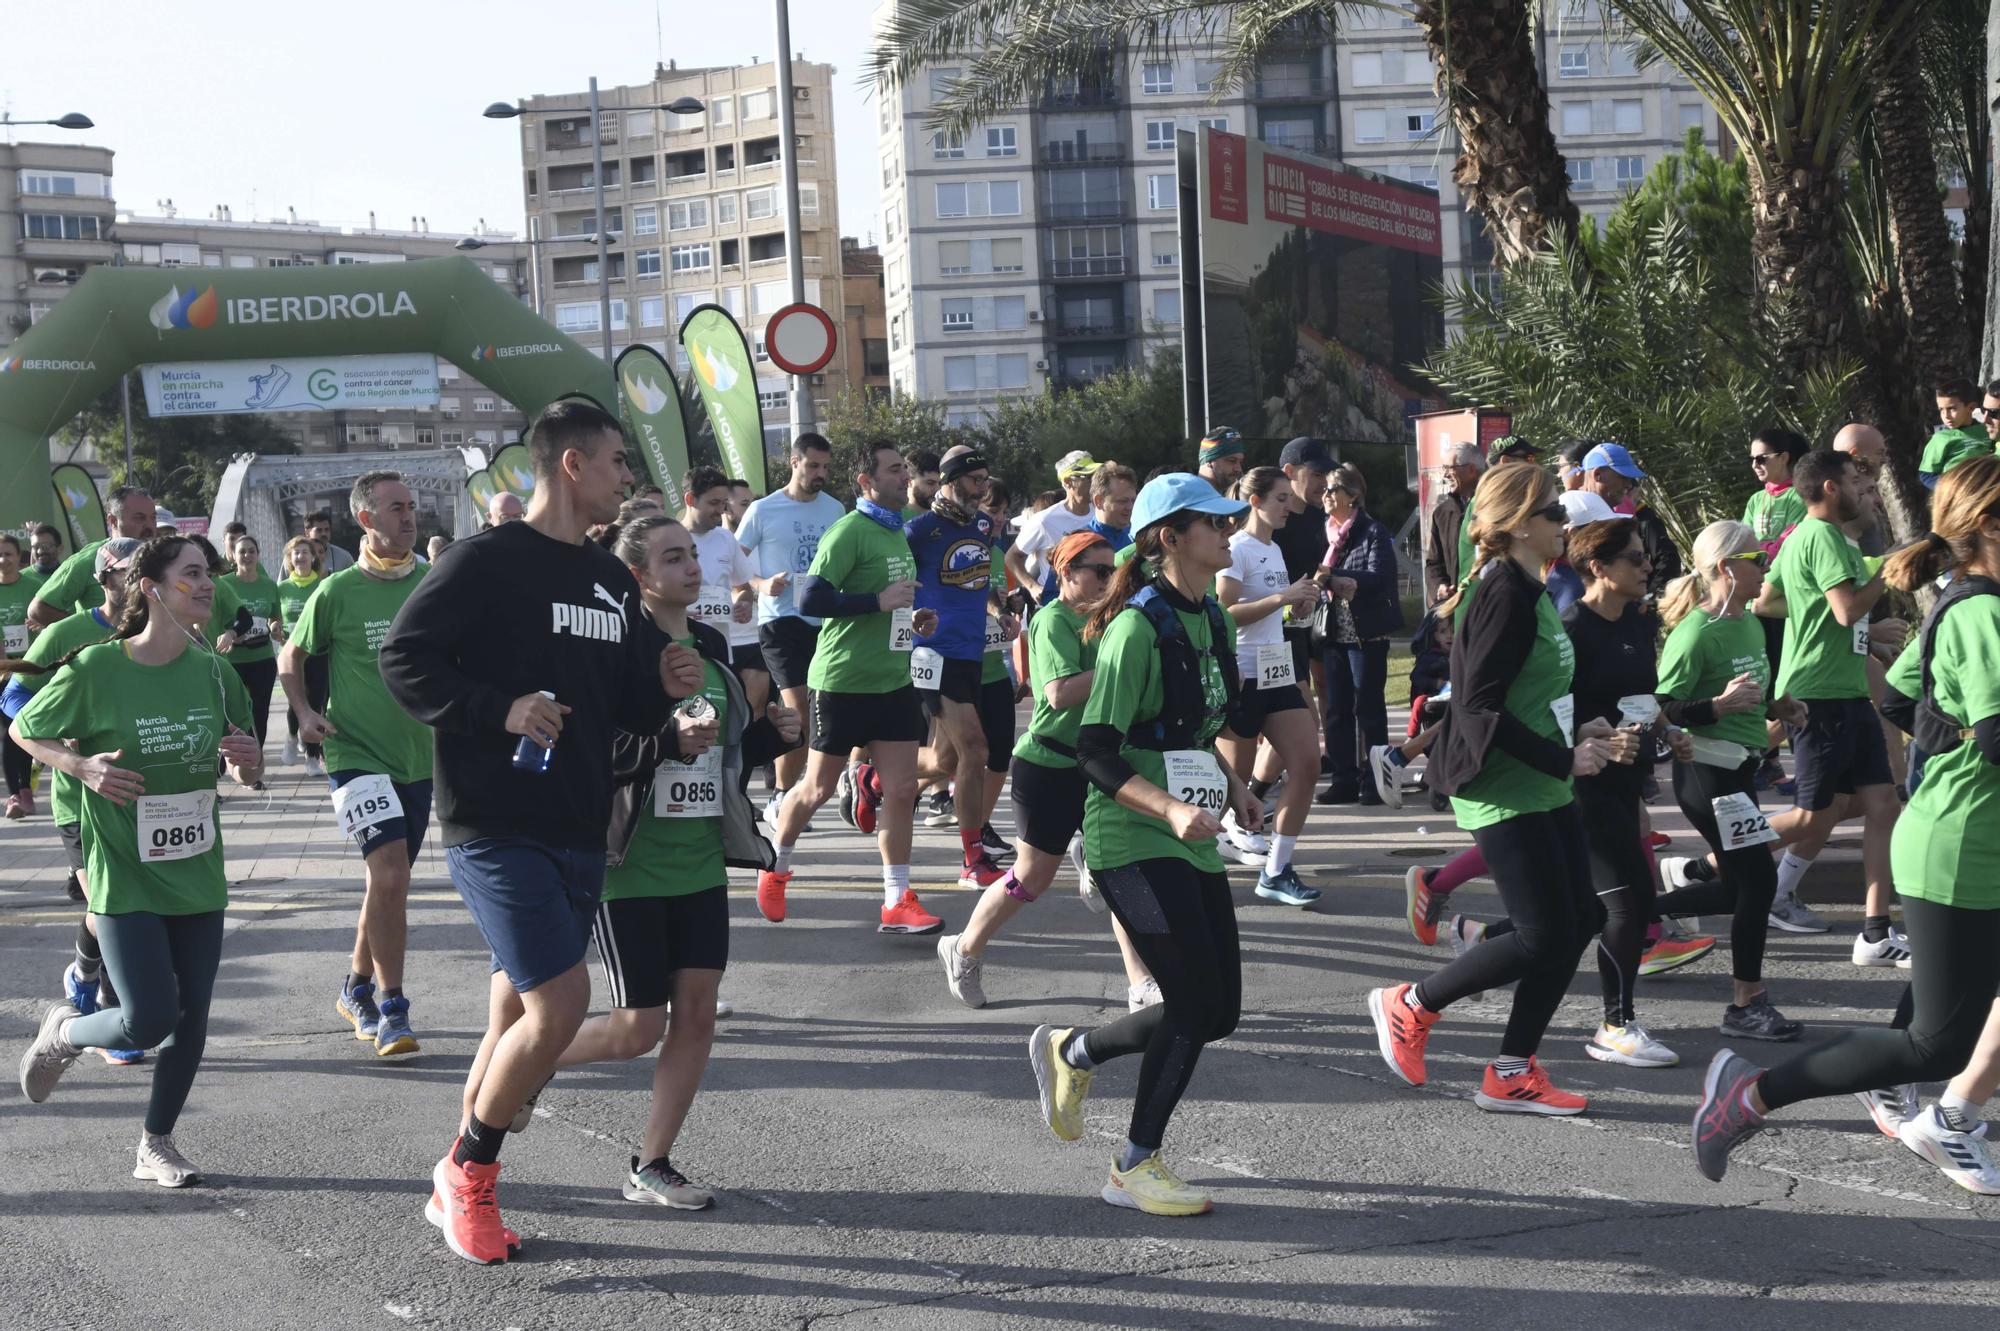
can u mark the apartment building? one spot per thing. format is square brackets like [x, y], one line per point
[64, 221]
[693, 209]
[1039, 250]
[864, 331]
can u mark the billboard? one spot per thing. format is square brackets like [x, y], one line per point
[1308, 293]
[321, 383]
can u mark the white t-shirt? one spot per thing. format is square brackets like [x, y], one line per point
[1260, 567]
[1042, 532]
[782, 536]
[724, 568]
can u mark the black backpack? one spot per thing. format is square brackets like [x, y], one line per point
[1934, 730]
[1183, 700]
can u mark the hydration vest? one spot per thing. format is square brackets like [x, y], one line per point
[1935, 730]
[1183, 698]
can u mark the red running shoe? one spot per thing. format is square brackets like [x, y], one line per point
[1659, 840]
[908, 916]
[1530, 1093]
[867, 797]
[771, 894]
[462, 1204]
[980, 871]
[1401, 1032]
[1422, 908]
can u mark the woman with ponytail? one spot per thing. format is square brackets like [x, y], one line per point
[140, 721]
[1944, 853]
[1165, 683]
[1506, 757]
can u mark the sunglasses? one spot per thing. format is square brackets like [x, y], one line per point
[1761, 459]
[1223, 522]
[1759, 558]
[1554, 513]
[1632, 557]
[1101, 570]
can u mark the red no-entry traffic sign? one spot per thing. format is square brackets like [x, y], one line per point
[799, 339]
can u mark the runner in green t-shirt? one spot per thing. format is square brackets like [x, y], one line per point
[141, 722]
[1161, 691]
[17, 589]
[662, 928]
[73, 586]
[297, 582]
[862, 583]
[378, 757]
[255, 659]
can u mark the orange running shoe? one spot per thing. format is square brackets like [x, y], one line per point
[771, 894]
[1423, 908]
[463, 1206]
[908, 916]
[1671, 953]
[1401, 1032]
[1529, 1093]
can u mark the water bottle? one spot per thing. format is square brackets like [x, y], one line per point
[530, 756]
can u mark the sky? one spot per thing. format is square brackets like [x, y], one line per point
[367, 105]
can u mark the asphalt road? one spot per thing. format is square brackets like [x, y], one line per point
[877, 1154]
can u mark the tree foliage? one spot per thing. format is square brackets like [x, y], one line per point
[178, 459]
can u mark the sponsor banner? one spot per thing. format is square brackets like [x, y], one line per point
[649, 402]
[1342, 203]
[1228, 165]
[513, 472]
[482, 489]
[720, 357]
[80, 504]
[326, 383]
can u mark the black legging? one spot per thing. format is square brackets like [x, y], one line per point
[1540, 864]
[259, 677]
[316, 689]
[14, 759]
[1747, 879]
[165, 967]
[1952, 985]
[1183, 926]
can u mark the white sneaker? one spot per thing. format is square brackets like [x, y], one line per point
[1251, 848]
[1893, 950]
[1086, 886]
[1388, 776]
[1891, 1107]
[314, 767]
[1795, 917]
[1961, 1157]
[961, 973]
[291, 748]
[1143, 994]
[1631, 1045]
[160, 1163]
[771, 807]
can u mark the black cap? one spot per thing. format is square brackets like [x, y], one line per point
[1510, 446]
[1308, 452]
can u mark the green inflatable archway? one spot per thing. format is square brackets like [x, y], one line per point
[120, 318]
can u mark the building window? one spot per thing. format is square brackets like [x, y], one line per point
[646, 221]
[448, 407]
[722, 112]
[1371, 126]
[809, 199]
[1006, 255]
[957, 315]
[732, 300]
[759, 204]
[687, 216]
[646, 263]
[1366, 71]
[774, 399]
[1575, 62]
[1166, 249]
[1205, 74]
[1418, 124]
[1218, 123]
[652, 311]
[759, 105]
[1624, 59]
[686, 302]
[58, 226]
[1160, 192]
[1692, 117]
[943, 80]
[979, 198]
[77, 184]
[954, 258]
[426, 436]
[1628, 170]
[896, 332]
[1583, 173]
[1159, 135]
[961, 374]
[948, 144]
[725, 209]
[1159, 76]
[1576, 117]
[1011, 371]
[690, 258]
[485, 404]
[1000, 141]
[1628, 116]
[1167, 306]
[1010, 313]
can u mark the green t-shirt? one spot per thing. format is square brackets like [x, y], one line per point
[1126, 690]
[14, 598]
[1467, 556]
[222, 608]
[261, 595]
[50, 646]
[1702, 655]
[168, 720]
[1906, 676]
[1506, 787]
[675, 857]
[1056, 650]
[292, 598]
[1821, 658]
[1772, 515]
[861, 557]
[1948, 840]
[73, 586]
[346, 619]
[1948, 447]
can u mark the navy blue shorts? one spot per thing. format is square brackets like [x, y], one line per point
[415, 797]
[533, 902]
[1838, 750]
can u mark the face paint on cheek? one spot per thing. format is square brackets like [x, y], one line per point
[183, 588]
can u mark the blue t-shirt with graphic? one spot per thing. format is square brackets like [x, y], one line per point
[954, 570]
[782, 535]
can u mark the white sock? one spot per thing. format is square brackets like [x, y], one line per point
[1280, 858]
[895, 882]
[784, 864]
[1790, 870]
[1960, 1114]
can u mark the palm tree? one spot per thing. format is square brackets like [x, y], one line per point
[1488, 78]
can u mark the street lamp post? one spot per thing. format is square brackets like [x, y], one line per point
[74, 120]
[788, 162]
[680, 105]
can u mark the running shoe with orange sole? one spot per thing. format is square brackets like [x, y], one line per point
[980, 872]
[867, 797]
[1673, 953]
[1529, 1093]
[462, 1205]
[1422, 908]
[1401, 1032]
[908, 916]
[771, 887]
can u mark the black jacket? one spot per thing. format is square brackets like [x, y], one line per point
[1660, 549]
[1368, 556]
[1486, 657]
[1441, 544]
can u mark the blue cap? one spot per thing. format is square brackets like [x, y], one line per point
[1615, 457]
[1175, 492]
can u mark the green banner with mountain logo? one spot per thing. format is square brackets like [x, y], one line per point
[727, 381]
[81, 505]
[649, 402]
[482, 489]
[513, 472]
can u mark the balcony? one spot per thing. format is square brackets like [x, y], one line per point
[1096, 97]
[1064, 381]
[1112, 325]
[1318, 145]
[1281, 86]
[1103, 265]
[1085, 210]
[1082, 152]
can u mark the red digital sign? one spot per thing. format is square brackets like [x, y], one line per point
[1349, 205]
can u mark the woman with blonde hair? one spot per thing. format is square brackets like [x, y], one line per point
[302, 566]
[1506, 756]
[1944, 851]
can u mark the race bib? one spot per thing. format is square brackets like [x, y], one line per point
[1639, 709]
[1194, 777]
[1861, 638]
[996, 636]
[17, 639]
[176, 827]
[713, 608]
[366, 801]
[1565, 713]
[1741, 823]
[260, 627]
[902, 629]
[926, 668]
[1275, 667]
[689, 790]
